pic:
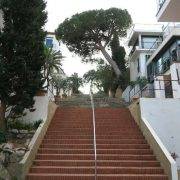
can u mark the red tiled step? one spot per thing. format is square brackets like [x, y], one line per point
[113, 163]
[91, 151]
[99, 141]
[71, 146]
[100, 170]
[91, 137]
[99, 146]
[67, 151]
[33, 176]
[91, 157]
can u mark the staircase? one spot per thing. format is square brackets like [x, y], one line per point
[67, 150]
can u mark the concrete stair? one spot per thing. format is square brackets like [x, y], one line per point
[67, 153]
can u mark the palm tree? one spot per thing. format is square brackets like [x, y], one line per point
[53, 63]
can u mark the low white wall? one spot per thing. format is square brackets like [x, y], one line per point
[125, 94]
[41, 110]
[164, 117]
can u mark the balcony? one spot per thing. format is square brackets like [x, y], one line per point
[148, 46]
[168, 11]
[155, 69]
[143, 29]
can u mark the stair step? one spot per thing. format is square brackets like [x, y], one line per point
[34, 176]
[100, 170]
[109, 163]
[91, 137]
[91, 151]
[99, 141]
[67, 150]
[91, 157]
[99, 146]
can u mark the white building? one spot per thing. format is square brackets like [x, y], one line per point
[143, 40]
[52, 42]
[164, 65]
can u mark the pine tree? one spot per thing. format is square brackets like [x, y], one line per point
[21, 53]
[118, 53]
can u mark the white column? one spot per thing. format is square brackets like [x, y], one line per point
[175, 72]
[159, 87]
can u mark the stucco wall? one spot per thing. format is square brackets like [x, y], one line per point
[23, 167]
[155, 143]
[163, 116]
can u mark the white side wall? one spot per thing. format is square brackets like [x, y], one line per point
[125, 94]
[41, 106]
[163, 116]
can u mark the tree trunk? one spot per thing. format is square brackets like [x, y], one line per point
[111, 62]
[112, 93]
[2, 116]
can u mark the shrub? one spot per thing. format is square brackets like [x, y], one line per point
[2, 137]
[17, 124]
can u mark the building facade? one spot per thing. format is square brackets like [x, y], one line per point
[52, 42]
[143, 40]
[164, 64]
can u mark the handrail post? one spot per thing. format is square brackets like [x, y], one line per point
[94, 132]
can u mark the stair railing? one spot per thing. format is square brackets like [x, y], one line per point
[94, 131]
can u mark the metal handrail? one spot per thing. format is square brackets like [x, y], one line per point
[140, 91]
[94, 131]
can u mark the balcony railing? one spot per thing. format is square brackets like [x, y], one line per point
[169, 28]
[161, 68]
[146, 45]
[160, 4]
[143, 28]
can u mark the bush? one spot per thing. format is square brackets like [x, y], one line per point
[17, 124]
[140, 81]
[37, 123]
[2, 137]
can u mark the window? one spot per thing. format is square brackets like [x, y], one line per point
[49, 42]
[150, 42]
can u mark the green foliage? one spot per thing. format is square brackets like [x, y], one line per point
[52, 63]
[103, 78]
[84, 30]
[118, 53]
[17, 124]
[60, 82]
[74, 82]
[37, 124]
[140, 81]
[21, 52]
[2, 138]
